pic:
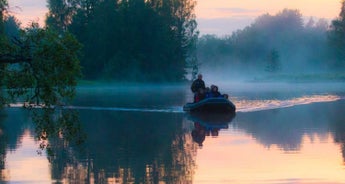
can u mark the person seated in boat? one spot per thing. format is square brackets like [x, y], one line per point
[200, 95]
[197, 85]
[208, 92]
[214, 91]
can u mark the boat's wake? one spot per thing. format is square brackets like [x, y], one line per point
[242, 105]
[166, 110]
[259, 105]
[176, 109]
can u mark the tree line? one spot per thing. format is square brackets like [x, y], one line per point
[132, 40]
[280, 43]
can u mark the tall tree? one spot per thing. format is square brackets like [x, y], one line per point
[273, 63]
[136, 40]
[3, 7]
[337, 39]
[3, 49]
[60, 13]
[12, 26]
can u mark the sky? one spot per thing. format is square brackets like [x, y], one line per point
[219, 17]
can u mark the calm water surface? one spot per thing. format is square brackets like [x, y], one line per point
[282, 133]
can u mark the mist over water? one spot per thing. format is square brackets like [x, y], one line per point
[247, 96]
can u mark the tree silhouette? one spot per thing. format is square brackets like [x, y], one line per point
[273, 62]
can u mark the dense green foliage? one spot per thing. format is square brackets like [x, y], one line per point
[51, 74]
[337, 39]
[279, 43]
[38, 65]
[132, 40]
[3, 49]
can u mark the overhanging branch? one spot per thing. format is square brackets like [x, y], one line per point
[12, 59]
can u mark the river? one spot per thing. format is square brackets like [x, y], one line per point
[282, 133]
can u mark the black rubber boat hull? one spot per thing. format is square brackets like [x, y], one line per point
[218, 105]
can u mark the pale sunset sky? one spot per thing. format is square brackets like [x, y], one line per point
[219, 17]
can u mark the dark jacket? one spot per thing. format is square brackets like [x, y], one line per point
[197, 84]
[215, 94]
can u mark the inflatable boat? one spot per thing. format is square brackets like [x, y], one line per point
[218, 105]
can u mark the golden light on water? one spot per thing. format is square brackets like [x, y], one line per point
[24, 165]
[237, 158]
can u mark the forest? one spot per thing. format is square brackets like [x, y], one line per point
[153, 41]
[276, 44]
[130, 40]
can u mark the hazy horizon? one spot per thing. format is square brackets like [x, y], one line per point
[219, 17]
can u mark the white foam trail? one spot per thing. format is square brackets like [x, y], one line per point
[167, 110]
[258, 105]
[241, 105]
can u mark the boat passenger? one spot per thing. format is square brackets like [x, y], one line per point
[197, 85]
[214, 91]
[208, 93]
[200, 95]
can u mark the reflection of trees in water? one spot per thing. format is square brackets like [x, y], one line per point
[287, 127]
[58, 131]
[339, 135]
[60, 126]
[2, 148]
[136, 147]
[11, 131]
[120, 146]
[184, 152]
[338, 126]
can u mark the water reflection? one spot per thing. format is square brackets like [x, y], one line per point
[2, 147]
[200, 131]
[301, 144]
[337, 126]
[11, 127]
[143, 147]
[60, 135]
[56, 129]
[286, 127]
[153, 147]
[208, 125]
[122, 147]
